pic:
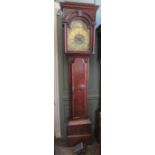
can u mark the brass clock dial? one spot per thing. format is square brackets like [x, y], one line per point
[78, 36]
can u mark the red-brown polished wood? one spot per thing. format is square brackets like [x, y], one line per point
[80, 11]
[79, 80]
[79, 125]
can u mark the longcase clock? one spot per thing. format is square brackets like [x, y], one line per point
[79, 38]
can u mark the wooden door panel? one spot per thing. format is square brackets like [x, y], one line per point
[79, 88]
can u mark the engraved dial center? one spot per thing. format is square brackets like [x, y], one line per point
[79, 39]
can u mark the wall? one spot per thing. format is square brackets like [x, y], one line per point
[57, 132]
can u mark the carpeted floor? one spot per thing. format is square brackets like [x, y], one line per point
[62, 149]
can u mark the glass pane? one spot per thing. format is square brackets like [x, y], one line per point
[78, 36]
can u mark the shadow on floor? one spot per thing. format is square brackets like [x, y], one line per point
[61, 148]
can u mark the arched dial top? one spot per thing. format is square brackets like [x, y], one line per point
[78, 36]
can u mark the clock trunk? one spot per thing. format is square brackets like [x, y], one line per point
[79, 126]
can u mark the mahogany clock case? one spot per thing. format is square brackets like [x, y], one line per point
[78, 52]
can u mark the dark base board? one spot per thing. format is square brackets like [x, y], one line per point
[79, 131]
[98, 126]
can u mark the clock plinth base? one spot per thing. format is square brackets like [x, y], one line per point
[79, 131]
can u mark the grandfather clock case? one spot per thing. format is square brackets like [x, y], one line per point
[79, 37]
